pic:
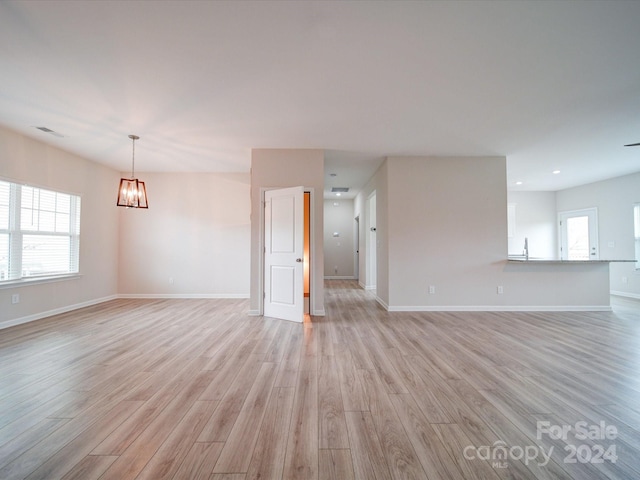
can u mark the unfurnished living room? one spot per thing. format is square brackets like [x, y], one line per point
[319, 240]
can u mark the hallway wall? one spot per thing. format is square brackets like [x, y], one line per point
[339, 246]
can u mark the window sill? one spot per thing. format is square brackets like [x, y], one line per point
[23, 282]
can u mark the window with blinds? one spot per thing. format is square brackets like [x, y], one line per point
[636, 232]
[5, 191]
[39, 232]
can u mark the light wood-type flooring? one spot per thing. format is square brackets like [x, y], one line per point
[197, 389]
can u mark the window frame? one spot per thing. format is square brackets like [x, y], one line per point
[16, 236]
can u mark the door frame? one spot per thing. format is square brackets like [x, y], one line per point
[312, 247]
[371, 242]
[356, 251]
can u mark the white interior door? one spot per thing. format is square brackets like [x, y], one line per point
[283, 257]
[579, 235]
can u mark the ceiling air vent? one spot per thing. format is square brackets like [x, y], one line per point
[48, 130]
[339, 189]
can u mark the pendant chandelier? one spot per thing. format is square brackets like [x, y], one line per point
[132, 192]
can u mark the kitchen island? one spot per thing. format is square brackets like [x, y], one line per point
[554, 284]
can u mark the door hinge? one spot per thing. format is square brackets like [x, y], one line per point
[264, 295]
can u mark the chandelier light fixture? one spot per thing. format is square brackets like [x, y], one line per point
[132, 192]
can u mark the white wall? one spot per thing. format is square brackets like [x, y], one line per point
[614, 200]
[278, 168]
[194, 240]
[23, 159]
[339, 252]
[535, 219]
[447, 228]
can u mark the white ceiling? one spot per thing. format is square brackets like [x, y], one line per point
[551, 85]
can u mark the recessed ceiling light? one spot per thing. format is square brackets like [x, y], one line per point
[338, 194]
[555, 172]
[518, 183]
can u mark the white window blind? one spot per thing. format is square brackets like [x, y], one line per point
[39, 232]
[636, 232]
[4, 230]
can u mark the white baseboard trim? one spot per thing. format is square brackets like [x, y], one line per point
[383, 303]
[501, 308]
[322, 312]
[55, 311]
[69, 308]
[340, 278]
[184, 295]
[626, 294]
[316, 313]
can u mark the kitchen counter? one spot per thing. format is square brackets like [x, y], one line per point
[522, 259]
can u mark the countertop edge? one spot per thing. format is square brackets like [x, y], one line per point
[564, 262]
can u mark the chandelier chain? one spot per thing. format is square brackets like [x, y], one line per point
[133, 154]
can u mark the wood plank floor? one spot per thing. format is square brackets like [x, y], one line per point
[197, 389]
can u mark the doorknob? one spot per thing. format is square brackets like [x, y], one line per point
[298, 260]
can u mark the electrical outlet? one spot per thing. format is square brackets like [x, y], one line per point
[625, 279]
[432, 289]
[15, 298]
[500, 289]
[170, 280]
